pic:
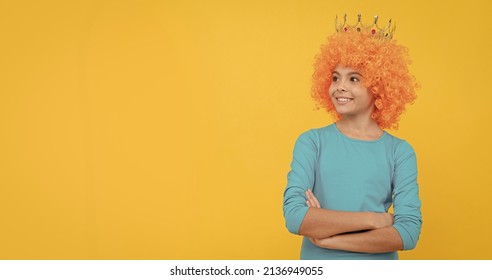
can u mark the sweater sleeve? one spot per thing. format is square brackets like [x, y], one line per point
[300, 178]
[406, 201]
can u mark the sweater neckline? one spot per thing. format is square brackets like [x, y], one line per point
[358, 140]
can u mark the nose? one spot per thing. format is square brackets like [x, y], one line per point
[341, 86]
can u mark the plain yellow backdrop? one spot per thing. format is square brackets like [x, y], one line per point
[164, 129]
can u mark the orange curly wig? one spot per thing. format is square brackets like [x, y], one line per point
[384, 67]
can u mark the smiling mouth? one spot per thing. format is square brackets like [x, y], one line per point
[343, 99]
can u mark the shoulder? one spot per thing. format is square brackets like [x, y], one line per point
[400, 147]
[313, 137]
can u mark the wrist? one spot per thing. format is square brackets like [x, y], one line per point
[373, 220]
[381, 220]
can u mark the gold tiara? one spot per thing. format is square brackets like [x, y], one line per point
[382, 33]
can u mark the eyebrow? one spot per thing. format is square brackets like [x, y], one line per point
[350, 73]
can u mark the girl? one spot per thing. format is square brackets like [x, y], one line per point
[345, 176]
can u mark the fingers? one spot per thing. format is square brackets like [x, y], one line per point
[317, 242]
[316, 200]
[309, 200]
[386, 219]
[312, 201]
[390, 219]
[309, 203]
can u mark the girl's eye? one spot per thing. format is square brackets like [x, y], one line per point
[354, 79]
[334, 78]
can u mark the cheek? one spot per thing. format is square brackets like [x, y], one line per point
[365, 98]
[331, 89]
[370, 99]
[365, 93]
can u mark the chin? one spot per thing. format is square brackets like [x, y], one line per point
[342, 111]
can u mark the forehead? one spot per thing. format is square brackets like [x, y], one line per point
[342, 70]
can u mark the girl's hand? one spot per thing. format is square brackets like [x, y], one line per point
[312, 201]
[322, 243]
[383, 220]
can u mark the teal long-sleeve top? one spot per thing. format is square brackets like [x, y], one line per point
[348, 174]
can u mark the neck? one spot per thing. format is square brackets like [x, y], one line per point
[365, 129]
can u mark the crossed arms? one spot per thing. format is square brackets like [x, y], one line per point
[367, 232]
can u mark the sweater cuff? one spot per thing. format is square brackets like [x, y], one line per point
[408, 242]
[295, 220]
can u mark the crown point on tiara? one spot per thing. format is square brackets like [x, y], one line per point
[374, 29]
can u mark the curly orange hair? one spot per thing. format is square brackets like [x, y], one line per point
[384, 67]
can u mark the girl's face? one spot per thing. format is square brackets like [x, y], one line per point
[348, 93]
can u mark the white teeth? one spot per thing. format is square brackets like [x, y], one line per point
[344, 99]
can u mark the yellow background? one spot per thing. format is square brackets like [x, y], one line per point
[165, 129]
